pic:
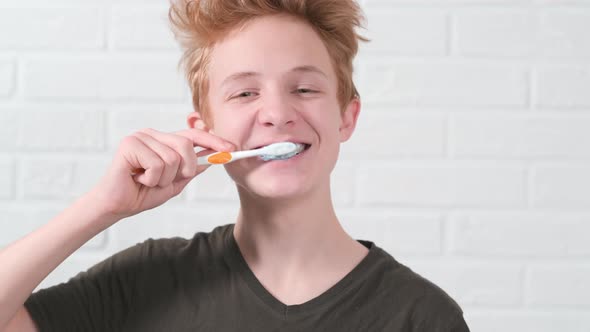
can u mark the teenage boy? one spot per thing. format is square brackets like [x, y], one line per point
[261, 71]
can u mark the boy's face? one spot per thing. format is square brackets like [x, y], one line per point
[273, 81]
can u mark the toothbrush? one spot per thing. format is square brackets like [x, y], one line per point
[275, 151]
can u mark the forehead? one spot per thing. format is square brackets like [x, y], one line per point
[271, 46]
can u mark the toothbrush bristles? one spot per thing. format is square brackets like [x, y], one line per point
[298, 147]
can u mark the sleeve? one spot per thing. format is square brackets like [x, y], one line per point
[437, 311]
[459, 325]
[94, 300]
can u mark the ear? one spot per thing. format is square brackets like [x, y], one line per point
[196, 120]
[349, 118]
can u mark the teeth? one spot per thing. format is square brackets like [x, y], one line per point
[305, 147]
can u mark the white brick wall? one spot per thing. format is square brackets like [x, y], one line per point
[475, 137]
[6, 77]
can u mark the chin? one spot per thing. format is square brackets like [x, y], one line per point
[277, 188]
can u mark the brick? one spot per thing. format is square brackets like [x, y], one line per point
[68, 130]
[382, 133]
[558, 286]
[520, 135]
[562, 86]
[19, 220]
[430, 84]
[443, 185]
[343, 180]
[138, 1]
[566, 186]
[397, 234]
[388, 3]
[51, 28]
[7, 175]
[476, 284]
[520, 235]
[526, 321]
[126, 120]
[8, 133]
[63, 178]
[7, 78]
[562, 32]
[405, 32]
[494, 32]
[548, 32]
[82, 78]
[140, 27]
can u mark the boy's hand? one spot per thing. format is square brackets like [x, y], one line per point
[150, 167]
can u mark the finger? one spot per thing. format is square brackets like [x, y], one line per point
[137, 155]
[206, 140]
[170, 158]
[183, 146]
[179, 185]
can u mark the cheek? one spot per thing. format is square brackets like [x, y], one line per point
[230, 127]
[329, 127]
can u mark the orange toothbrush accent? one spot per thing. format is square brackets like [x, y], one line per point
[219, 158]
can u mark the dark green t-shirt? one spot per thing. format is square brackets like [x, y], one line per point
[204, 284]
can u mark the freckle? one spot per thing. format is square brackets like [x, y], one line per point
[220, 158]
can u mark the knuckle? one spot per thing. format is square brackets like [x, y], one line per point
[147, 130]
[186, 144]
[158, 165]
[128, 140]
[171, 158]
[149, 180]
[152, 182]
[138, 135]
[188, 171]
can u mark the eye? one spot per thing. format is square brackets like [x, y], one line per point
[244, 94]
[305, 90]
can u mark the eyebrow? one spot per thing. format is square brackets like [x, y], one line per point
[239, 76]
[246, 74]
[309, 69]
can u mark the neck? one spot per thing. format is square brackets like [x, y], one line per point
[289, 228]
[297, 247]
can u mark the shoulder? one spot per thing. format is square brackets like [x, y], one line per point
[202, 244]
[426, 304]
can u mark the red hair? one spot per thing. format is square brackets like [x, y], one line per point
[199, 24]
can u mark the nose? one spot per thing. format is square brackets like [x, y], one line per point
[276, 111]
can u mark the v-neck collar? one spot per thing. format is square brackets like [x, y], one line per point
[237, 263]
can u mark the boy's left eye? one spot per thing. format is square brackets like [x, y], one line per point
[305, 90]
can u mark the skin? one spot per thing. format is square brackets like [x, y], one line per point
[286, 228]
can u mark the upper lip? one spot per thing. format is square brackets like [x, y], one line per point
[276, 140]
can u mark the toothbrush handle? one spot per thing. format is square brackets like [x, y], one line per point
[233, 156]
[203, 160]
